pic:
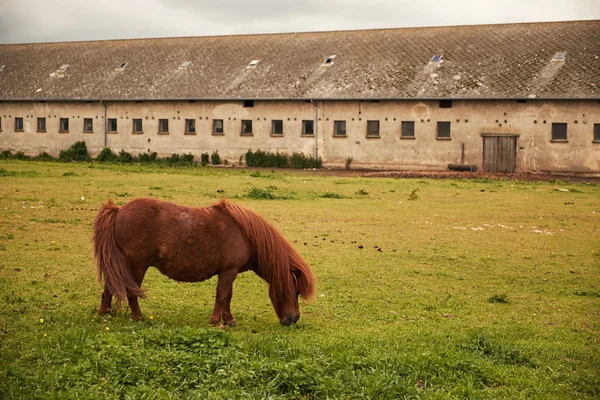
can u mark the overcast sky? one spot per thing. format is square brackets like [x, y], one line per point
[25, 21]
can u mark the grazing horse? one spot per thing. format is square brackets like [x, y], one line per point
[191, 245]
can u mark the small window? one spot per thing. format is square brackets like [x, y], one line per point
[329, 60]
[218, 126]
[559, 131]
[163, 126]
[18, 124]
[596, 132]
[277, 127]
[436, 59]
[559, 56]
[443, 130]
[445, 103]
[190, 126]
[253, 64]
[339, 128]
[308, 127]
[372, 128]
[112, 125]
[64, 125]
[138, 126]
[246, 127]
[248, 103]
[185, 65]
[41, 124]
[408, 129]
[88, 125]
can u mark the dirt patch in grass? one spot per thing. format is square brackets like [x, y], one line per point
[528, 177]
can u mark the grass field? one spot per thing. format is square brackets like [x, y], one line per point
[427, 289]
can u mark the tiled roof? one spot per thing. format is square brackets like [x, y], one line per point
[481, 61]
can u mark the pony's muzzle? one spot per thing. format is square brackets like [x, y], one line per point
[289, 319]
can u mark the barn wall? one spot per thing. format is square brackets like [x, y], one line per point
[530, 121]
[470, 120]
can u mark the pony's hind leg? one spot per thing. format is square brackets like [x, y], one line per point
[105, 303]
[138, 276]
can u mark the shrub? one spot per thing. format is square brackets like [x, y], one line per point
[187, 159]
[215, 158]
[5, 155]
[124, 157]
[261, 158]
[179, 160]
[44, 156]
[147, 158]
[106, 155]
[77, 152]
[204, 159]
[300, 161]
[21, 156]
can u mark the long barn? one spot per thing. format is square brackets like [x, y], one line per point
[500, 98]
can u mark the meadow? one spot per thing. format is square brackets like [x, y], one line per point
[427, 289]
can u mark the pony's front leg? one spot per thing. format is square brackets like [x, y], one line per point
[222, 309]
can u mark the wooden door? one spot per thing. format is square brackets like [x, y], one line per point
[499, 153]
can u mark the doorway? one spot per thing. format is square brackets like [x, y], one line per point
[499, 153]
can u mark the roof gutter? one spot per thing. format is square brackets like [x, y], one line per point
[317, 99]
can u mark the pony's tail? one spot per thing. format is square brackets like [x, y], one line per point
[111, 262]
[275, 255]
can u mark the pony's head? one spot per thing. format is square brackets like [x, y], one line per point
[284, 292]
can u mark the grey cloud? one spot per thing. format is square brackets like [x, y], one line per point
[61, 20]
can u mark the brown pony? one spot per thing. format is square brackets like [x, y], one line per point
[193, 244]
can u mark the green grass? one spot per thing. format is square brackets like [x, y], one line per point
[478, 289]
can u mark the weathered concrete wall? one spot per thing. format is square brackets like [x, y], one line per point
[470, 120]
[531, 122]
[230, 145]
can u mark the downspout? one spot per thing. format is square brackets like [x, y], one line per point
[104, 104]
[316, 129]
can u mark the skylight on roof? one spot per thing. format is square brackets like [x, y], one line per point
[61, 71]
[329, 60]
[253, 64]
[559, 56]
[185, 65]
[436, 59]
[121, 67]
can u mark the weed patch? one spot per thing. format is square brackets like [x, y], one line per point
[499, 298]
[331, 195]
[266, 194]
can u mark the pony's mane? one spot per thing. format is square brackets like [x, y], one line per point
[275, 255]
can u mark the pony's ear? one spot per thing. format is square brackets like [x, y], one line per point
[305, 284]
